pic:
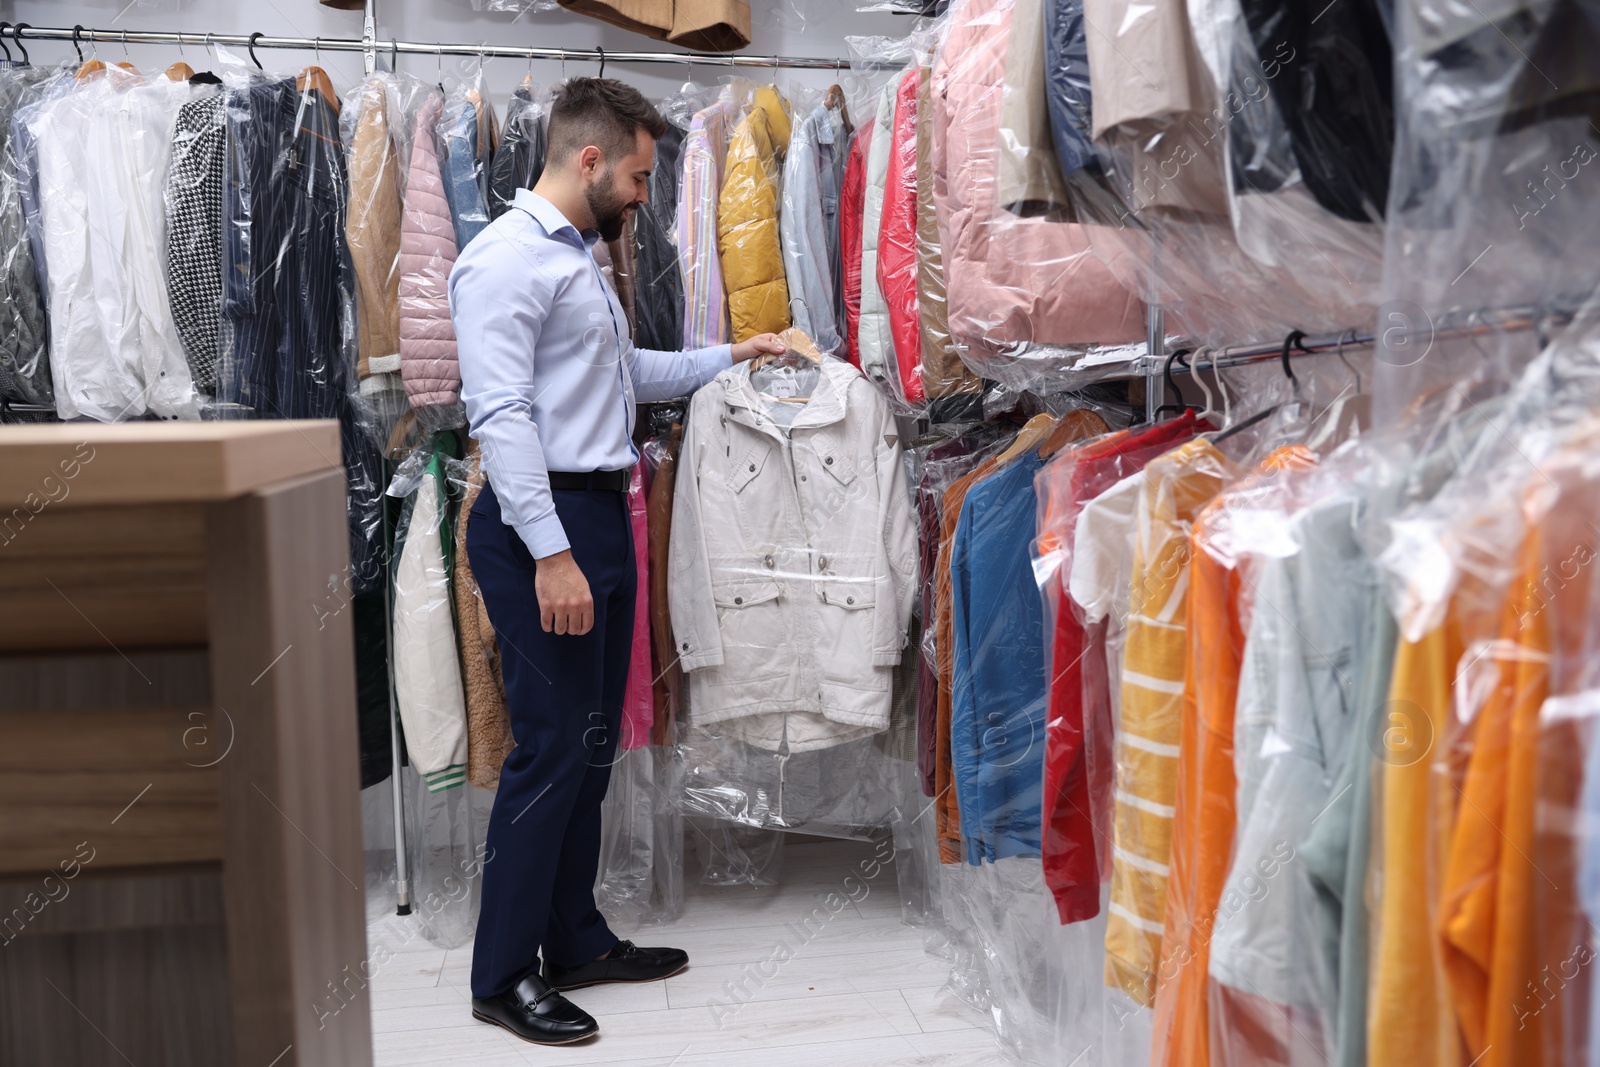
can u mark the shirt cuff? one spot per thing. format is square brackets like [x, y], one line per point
[544, 536]
[715, 361]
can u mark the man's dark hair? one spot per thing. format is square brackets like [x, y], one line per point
[602, 112]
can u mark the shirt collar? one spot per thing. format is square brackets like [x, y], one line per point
[550, 217]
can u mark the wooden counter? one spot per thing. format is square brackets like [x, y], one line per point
[181, 867]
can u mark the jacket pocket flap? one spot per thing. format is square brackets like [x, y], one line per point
[837, 463]
[853, 595]
[743, 592]
[747, 468]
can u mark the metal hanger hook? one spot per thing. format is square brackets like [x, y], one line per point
[1348, 338]
[602, 54]
[316, 49]
[5, 26]
[438, 60]
[16, 37]
[77, 38]
[125, 53]
[254, 37]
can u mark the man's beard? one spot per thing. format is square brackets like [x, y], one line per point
[610, 210]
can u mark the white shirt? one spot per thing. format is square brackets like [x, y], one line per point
[549, 374]
[104, 151]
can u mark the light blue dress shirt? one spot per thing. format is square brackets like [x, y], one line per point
[549, 374]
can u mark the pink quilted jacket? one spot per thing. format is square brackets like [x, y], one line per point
[428, 363]
[1010, 280]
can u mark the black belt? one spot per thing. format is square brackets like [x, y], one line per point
[605, 481]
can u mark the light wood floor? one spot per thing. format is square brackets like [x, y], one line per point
[859, 989]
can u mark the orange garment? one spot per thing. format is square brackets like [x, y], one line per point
[1481, 913]
[947, 812]
[1177, 486]
[1205, 814]
[1507, 981]
[1409, 1018]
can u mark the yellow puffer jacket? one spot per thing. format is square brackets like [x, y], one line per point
[747, 220]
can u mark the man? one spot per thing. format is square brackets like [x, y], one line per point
[549, 376]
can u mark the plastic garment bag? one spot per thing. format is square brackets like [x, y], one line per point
[373, 225]
[194, 231]
[288, 290]
[519, 160]
[813, 172]
[428, 688]
[874, 339]
[1331, 78]
[1155, 661]
[1473, 579]
[1076, 782]
[638, 707]
[462, 129]
[660, 290]
[1486, 154]
[1219, 740]
[488, 725]
[705, 156]
[897, 243]
[429, 364]
[1027, 297]
[103, 150]
[24, 352]
[951, 387]
[791, 520]
[747, 219]
[852, 208]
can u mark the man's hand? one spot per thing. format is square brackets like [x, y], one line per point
[762, 344]
[565, 604]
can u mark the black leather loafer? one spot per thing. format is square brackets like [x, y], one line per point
[535, 1012]
[627, 963]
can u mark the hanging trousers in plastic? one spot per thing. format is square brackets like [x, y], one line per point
[564, 698]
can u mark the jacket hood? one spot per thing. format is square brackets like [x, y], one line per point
[828, 404]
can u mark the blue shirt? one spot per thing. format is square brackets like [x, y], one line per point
[998, 685]
[549, 374]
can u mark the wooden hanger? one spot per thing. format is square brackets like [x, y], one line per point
[794, 340]
[89, 69]
[1034, 432]
[180, 72]
[1075, 425]
[317, 78]
[836, 102]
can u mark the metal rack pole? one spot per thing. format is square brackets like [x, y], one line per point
[1155, 328]
[483, 51]
[1479, 323]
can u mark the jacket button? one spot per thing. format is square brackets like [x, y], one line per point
[849, 600]
[738, 600]
[752, 467]
[686, 646]
[768, 560]
[828, 461]
[802, 477]
[822, 564]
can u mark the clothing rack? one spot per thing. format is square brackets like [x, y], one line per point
[372, 48]
[1152, 366]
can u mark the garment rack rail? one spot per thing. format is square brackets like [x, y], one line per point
[481, 51]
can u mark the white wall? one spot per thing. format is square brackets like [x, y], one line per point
[807, 28]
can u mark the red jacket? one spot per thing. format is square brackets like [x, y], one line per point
[853, 201]
[897, 240]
